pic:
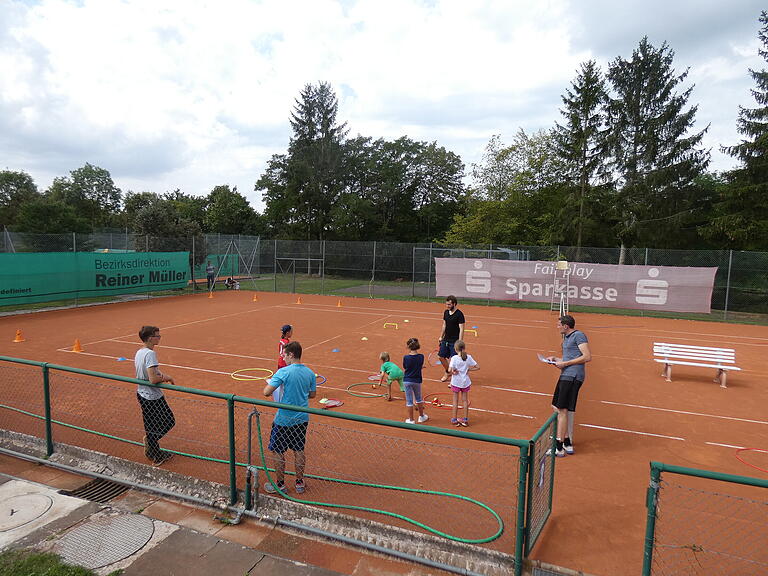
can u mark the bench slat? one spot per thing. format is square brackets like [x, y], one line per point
[689, 347]
[703, 357]
[696, 364]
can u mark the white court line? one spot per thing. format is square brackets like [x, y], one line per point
[684, 412]
[138, 342]
[163, 364]
[340, 335]
[632, 432]
[426, 404]
[519, 391]
[725, 445]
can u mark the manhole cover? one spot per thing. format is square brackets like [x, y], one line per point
[104, 541]
[22, 509]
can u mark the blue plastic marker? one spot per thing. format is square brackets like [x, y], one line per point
[335, 350]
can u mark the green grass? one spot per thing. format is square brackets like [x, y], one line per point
[28, 563]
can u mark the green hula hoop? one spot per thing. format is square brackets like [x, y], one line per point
[365, 395]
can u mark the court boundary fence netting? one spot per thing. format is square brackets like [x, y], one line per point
[399, 270]
[465, 502]
[701, 522]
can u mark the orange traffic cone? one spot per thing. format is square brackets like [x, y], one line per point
[19, 337]
[77, 347]
[338, 304]
[298, 300]
[255, 297]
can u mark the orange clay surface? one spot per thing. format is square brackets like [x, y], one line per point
[627, 416]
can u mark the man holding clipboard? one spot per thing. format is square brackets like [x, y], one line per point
[576, 354]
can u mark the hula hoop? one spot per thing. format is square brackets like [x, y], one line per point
[747, 463]
[323, 381]
[236, 375]
[437, 403]
[363, 394]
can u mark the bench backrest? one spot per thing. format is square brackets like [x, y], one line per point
[701, 353]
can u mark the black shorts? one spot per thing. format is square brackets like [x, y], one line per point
[566, 394]
[447, 349]
[283, 438]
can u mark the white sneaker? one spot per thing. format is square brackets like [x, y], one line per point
[409, 421]
[568, 448]
[423, 418]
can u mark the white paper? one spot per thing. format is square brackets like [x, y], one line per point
[544, 359]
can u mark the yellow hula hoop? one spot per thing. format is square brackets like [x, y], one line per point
[236, 375]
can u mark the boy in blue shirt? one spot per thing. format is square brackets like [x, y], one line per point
[289, 429]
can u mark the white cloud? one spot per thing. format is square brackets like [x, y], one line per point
[193, 94]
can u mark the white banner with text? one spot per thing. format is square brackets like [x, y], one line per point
[668, 288]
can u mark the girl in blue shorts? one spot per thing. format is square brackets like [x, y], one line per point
[413, 362]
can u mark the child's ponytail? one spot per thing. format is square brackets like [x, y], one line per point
[461, 349]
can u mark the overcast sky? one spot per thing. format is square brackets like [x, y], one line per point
[186, 94]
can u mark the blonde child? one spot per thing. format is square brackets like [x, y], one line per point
[391, 372]
[413, 362]
[459, 367]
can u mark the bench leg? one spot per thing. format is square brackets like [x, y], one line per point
[721, 377]
[667, 372]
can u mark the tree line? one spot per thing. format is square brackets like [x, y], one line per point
[623, 166]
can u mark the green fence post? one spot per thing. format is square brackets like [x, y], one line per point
[650, 527]
[522, 483]
[232, 451]
[47, 403]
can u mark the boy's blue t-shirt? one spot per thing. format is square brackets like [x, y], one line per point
[296, 382]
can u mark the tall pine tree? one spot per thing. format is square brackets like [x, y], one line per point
[742, 214]
[581, 141]
[315, 154]
[654, 158]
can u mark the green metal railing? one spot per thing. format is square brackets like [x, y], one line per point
[532, 497]
[693, 530]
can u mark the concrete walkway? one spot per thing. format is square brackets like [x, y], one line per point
[182, 539]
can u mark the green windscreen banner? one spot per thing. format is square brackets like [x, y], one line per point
[46, 276]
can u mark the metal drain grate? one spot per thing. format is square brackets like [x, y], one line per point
[98, 490]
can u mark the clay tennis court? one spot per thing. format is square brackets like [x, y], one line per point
[628, 414]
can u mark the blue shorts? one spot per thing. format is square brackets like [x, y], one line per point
[412, 393]
[284, 437]
[447, 349]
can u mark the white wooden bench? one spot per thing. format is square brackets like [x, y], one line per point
[722, 359]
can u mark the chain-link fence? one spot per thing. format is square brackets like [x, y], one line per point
[400, 270]
[701, 523]
[450, 491]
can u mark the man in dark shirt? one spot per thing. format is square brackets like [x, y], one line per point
[453, 329]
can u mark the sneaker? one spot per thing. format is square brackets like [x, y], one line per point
[559, 453]
[270, 489]
[445, 377]
[455, 421]
[162, 458]
[568, 448]
[409, 421]
[464, 421]
[423, 419]
[300, 486]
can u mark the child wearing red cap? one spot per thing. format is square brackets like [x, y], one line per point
[287, 332]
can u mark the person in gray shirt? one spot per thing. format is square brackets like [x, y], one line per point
[576, 354]
[157, 415]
